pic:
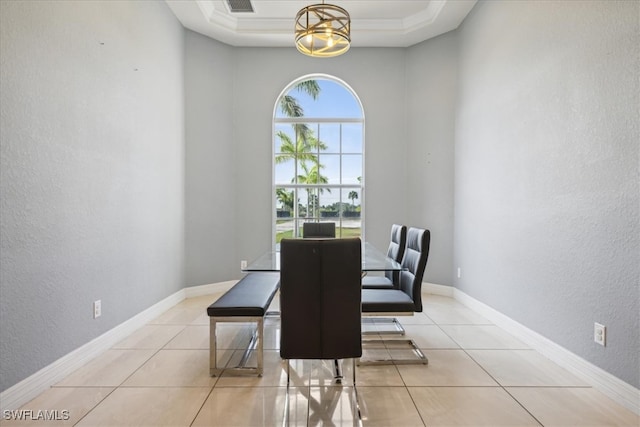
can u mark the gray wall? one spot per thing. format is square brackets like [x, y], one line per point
[210, 184]
[92, 172]
[546, 171]
[432, 73]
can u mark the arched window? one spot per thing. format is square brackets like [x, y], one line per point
[318, 162]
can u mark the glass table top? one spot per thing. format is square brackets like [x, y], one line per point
[372, 260]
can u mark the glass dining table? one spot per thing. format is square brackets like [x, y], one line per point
[372, 260]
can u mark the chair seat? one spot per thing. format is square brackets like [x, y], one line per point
[376, 282]
[386, 300]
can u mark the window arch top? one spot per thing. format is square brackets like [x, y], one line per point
[334, 99]
[318, 163]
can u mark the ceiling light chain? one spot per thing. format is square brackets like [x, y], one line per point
[323, 30]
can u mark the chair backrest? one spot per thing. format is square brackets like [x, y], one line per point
[414, 262]
[315, 230]
[320, 298]
[396, 249]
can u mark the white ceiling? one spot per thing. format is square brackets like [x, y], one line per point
[374, 23]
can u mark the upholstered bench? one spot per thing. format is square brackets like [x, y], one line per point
[246, 301]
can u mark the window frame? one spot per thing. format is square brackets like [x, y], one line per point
[296, 187]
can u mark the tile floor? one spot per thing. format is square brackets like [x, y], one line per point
[478, 375]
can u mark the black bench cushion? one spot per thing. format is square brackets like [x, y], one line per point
[251, 296]
[386, 300]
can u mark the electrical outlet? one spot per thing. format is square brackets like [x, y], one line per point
[97, 309]
[459, 272]
[600, 334]
[243, 264]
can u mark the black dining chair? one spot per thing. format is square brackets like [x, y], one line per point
[315, 230]
[320, 296]
[407, 299]
[397, 245]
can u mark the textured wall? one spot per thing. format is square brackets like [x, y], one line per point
[547, 194]
[431, 85]
[210, 187]
[92, 172]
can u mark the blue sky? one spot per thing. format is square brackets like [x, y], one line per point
[334, 101]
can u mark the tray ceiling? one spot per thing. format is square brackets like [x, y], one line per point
[374, 23]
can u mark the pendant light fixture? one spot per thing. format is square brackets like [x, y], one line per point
[323, 30]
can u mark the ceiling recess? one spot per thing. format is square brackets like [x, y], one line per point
[240, 6]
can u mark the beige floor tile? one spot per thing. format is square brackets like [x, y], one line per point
[272, 335]
[332, 406]
[202, 319]
[375, 354]
[387, 406]
[523, 368]
[378, 375]
[150, 336]
[457, 387]
[174, 368]
[63, 406]
[573, 407]
[482, 337]
[416, 319]
[164, 406]
[396, 350]
[201, 302]
[190, 338]
[275, 373]
[446, 368]
[443, 315]
[426, 337]
[252, 406]
[236, 336]
[323, 373]
[469, 406]
[178, 315]
[109, 369]
[440, 300]
[373, 325]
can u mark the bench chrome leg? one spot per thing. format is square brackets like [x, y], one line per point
[255, 344]
[213, 350]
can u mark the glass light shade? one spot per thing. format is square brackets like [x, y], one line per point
[323, 30]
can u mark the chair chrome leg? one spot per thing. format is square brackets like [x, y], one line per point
[357, 411]
[288, 372]
[285, 418]
[338, 372]
[420, 358]
[397, 326]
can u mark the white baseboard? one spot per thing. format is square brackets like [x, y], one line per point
[212, 288]
[27, 389]
[618, 390]
[435, 289]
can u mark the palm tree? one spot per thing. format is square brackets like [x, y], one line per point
[286, 198]
[305, 147]
[291, 108]
[353, 195]
[312, 176]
